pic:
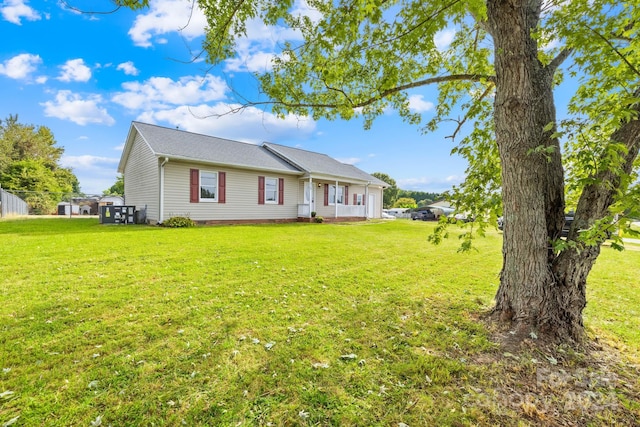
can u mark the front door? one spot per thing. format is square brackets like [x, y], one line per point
[371, 209]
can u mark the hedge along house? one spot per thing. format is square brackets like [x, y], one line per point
[170, 172]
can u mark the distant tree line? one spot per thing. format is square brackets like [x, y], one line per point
[393, 197]
[30, 166]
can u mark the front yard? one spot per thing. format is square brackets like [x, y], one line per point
[293, 324]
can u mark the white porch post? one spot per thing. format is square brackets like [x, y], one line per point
[311, 198]
[336, 200]
[365, 202]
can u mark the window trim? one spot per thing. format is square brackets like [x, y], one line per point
[335, 194]
[217, 187]
[275, 192]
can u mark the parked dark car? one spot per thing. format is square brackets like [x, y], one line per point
[568, 220]
[424, 215]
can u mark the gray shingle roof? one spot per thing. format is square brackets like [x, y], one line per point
[179, 144]
[321, 164]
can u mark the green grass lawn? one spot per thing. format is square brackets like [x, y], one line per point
[360, 324]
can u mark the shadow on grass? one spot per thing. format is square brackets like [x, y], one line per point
[54, 226]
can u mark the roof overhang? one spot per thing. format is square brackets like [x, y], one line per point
[333, 178]
[226, 164]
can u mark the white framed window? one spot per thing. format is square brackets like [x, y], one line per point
[336, 196]
[208, 186]
[359, 199]
[271, 190]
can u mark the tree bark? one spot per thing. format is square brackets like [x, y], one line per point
[532, 174]
[540, 291]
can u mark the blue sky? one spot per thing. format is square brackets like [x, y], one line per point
[87, 76]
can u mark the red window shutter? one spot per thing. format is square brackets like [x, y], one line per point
[194, 193]
[281, 191]
[261, 190]
[346, 194]
[355, 199]
[222, 187]
[326, 194]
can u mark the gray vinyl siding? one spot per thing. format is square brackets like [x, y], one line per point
[241, 195]
[141, 179]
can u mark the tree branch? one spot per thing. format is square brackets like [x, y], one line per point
[368, 101]
[558, 60]
[466, 117]
[614, 49]
[66, 4]
[418, 25]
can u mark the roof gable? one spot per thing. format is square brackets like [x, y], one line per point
[179, 144]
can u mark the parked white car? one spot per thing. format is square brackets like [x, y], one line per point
[387, 215]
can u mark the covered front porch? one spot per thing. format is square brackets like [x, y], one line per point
[340, 211]
[337, 200]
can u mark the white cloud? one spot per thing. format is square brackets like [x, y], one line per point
[72, 107]
[87, 161]
[443, 38]
[168, 16]
[20, 66]
[129, 68]
[349, 160]
[256, 51]
[251, 62]
[158, 92]
[250, 125]
[74, 70]
[435, 184]
[14, 10]
[95, 173]
[302, 8]
[419, 105]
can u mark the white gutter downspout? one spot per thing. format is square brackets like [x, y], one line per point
[161, 213]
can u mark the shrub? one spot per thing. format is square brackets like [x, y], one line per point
[179, 222]
[319, 219]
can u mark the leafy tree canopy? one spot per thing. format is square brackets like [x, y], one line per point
[405, 202]
[29, 165]
[390, 194]
[423, 198]
[116, 189]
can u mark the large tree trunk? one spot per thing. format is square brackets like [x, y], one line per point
[532, 175]
[539, 291]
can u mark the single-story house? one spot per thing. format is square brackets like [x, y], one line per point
[169, 172]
